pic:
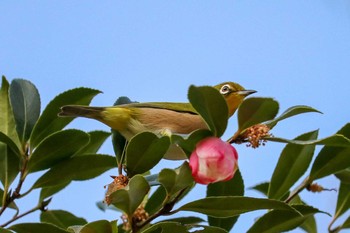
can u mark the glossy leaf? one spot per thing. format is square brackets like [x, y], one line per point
[50, 191]
[344, 176]
[292, 111]
[129, 199]
[49, 123]
[334, 140]
[346, 224]
[25, 102]
[292, 164]
[8, 141]
[97, 138]
[263, 188]
[7, 119]
[61, 218]
[56, 148]
[343, 203]
[208, 229]
[9, 166]
[76, 168]
[309, 225]
[3, 230]
[210, 104]
[185, 220]
[228, 206]
[176, 180]
[155, 201]
[166, 227]
[188, 145]
[282, 220]
[331, 159]
[144, 151]
[96, 227]
[233, 187]
[256, 110]
[36, 227]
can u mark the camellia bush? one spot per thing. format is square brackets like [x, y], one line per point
[33, 141]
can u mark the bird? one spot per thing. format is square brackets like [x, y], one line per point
[157, 117]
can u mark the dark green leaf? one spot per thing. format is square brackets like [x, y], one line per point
[188, 145]
[208, 229]
[282, 220]
[233, 187]
[76, 168]
[128, 200]
[334, 140]
[56, 148]
[3, 230]
[343, 203]
[7, 119]
[344, 176]
[232, 206]
[144, 151]
[9, 165]
[25, 102]
[8, 141]
[292, 111]
[97, 138]
[346, 224]
[256, 110]
[176, 180]
[61, 218]
[49, 191]
[119, 144]
[185, 220]
[292, 164]
[309, 225]
[210, 104]
[36, 227]
[262, 188]
[154, 203]
[101, 226]
[49, 123]
[331, 159]
[166, 227]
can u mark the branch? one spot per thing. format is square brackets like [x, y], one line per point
[298, 189]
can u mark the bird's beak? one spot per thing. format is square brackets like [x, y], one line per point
[246, 92]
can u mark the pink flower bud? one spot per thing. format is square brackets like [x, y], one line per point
[213, 160]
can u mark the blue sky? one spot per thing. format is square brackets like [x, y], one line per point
[295, 51]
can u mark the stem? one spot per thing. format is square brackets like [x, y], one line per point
[298, 189]
[234, 137]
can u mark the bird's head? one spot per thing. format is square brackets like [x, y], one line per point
[234, 95]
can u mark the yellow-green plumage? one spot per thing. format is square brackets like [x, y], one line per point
[157, 117]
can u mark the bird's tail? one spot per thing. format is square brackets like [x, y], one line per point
[81, 111]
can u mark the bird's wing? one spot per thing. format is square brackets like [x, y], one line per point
[178, 107]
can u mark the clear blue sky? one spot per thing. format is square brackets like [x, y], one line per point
[295, 51]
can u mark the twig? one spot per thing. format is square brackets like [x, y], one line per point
[298, 189]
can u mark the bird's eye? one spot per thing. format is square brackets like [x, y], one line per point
[225, 89]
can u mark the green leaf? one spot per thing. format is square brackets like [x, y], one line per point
[76, 168]
[3, 230]
[176, 180]
[343, 203]
[185, 220]
[12, 145]
[25, 101]
[334, 140]
[256, 110]
[263, 188]
[129, 199]
[97, 138]
[309, 225]
[346, 224]
[36, 227]
[292, 164]
[233, 187]
[208, 229]
[50, 191]
[155, 201]
[9, 166]
[228, 206]
[282, 220]
[56, 148]
[101, 226]
[210, 104]
[188, 145]
[49, 123]
[7, 119]
[344, 176]
[61, 218]
[292, 111]
[119, 144]
[331, 159]
[144, 151]
[166, 227]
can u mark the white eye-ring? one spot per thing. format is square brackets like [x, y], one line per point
[225, 89]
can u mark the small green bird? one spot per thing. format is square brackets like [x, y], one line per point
[157, 117]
